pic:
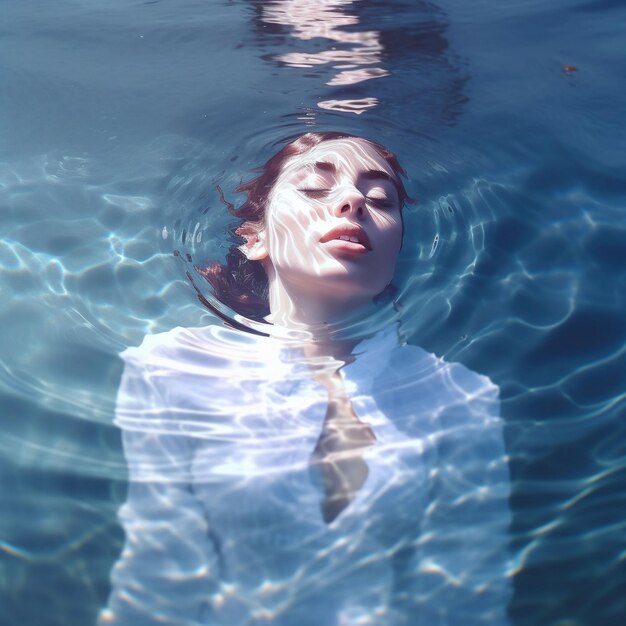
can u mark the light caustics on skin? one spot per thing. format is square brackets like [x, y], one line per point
[329, 245]
[331, 236]
[357, 59]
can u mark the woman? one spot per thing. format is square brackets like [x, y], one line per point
[302, 476]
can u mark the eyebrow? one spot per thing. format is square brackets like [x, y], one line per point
[377, 175]
[325, 166]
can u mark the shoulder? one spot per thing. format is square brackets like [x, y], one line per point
[193, 367]
[156, 346]
[425, 368]
[425, 384]
[195, 350]
[186, 374]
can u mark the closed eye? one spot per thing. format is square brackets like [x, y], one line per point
[315, 193]
[382, 203]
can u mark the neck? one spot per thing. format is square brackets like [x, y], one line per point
[320, 315]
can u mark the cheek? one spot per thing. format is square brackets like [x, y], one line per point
[400, 236]
[291, 225]
[391, 255]
[391, 232]
[390, 245]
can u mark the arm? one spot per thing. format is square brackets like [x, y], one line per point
[167, 571]
[457, 571]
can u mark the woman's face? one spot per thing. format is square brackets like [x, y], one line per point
[333, 221]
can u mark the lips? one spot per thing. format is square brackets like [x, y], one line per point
[351, 235]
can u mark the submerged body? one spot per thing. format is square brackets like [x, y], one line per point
[223, 518]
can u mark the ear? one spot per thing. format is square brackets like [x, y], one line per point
[254, 248]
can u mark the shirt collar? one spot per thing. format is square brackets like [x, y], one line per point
[282, 348]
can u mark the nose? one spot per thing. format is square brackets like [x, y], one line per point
[351, 202]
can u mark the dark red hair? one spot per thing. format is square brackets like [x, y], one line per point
[242, 284]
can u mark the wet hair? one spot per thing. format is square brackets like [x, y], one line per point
[242, 284]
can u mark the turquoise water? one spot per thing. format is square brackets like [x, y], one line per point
[117, 123]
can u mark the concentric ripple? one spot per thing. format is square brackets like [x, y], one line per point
[121, 121]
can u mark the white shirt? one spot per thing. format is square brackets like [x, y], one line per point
[223, 523]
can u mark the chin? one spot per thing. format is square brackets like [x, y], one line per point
[351, 286]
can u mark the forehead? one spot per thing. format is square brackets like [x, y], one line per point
[350, 156]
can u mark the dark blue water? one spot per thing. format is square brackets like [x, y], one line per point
[119, 119]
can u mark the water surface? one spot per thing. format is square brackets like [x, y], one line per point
[117, 123]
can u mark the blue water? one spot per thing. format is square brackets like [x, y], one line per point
[118, 121]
